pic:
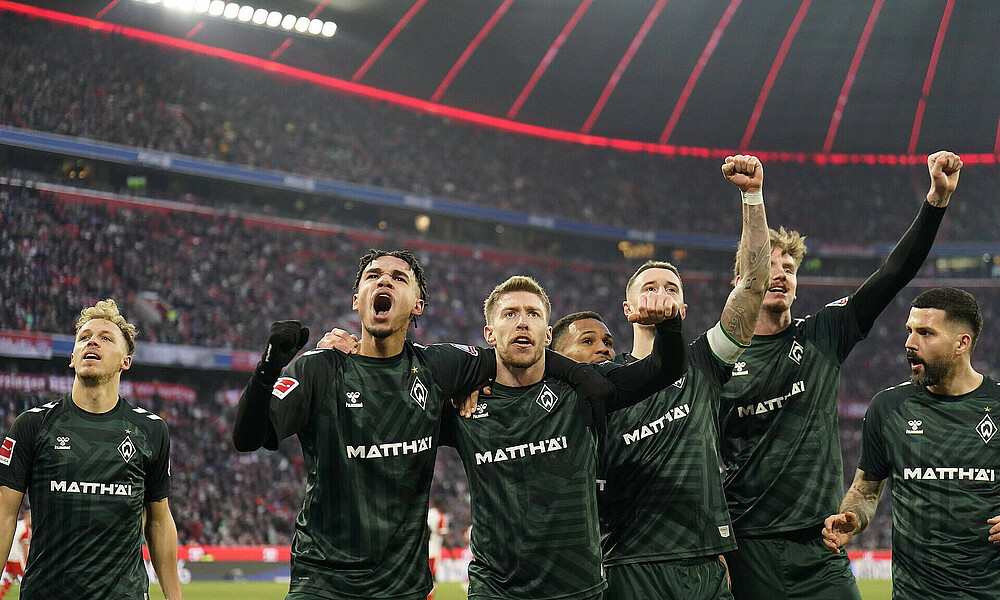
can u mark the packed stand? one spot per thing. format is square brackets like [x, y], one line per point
[114, 89]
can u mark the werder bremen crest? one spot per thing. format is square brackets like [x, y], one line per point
[547, 398]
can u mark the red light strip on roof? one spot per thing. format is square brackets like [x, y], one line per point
[706, 54]
[104, 11]
[612, 83]
[929, 78]
[468, 116]
[195, 30]
[996, 141]
[845, 90]
[470, 49]
[547, 59]
[779, 60]
[388, 40]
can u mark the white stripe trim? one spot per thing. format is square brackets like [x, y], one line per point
[723, 347]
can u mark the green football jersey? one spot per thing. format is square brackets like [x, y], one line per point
[663, 498]
[369, 433]
[779, 424]
[531, 464]
[941, 455]
[87, 477]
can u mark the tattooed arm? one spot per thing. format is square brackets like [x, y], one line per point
[753, 260]
[856, 511]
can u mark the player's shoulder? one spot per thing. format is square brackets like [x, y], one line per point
[444, 349]
[36, 416]
[891, 397]
[144, 419]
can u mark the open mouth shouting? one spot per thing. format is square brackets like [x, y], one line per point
[522, 341]
[90, 356]
[382, 304]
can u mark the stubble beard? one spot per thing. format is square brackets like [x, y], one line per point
[934, 372]
[520, 361]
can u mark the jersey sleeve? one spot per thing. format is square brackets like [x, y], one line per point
[460, 369]
[293, 394]
[158, 473]
[874, 460]
[704, 355]
[17, 453]
[834, 329]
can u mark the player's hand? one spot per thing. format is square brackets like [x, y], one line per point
[466, 405]
[654, 307]
[839, 529]
[995, 530]
[944, 168]
[338, 339]
[284, 341]
[745, 172]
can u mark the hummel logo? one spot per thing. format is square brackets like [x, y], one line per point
[353, 400]
[740, 368]
[915, 427]
[986, 429]
[62, 443]
[796, 352]
[481, 411]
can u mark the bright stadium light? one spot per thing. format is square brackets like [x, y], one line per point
[249, 14]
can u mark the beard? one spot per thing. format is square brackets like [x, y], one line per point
[934, 372]
[520, 360]
[379, 332]
[93, 378]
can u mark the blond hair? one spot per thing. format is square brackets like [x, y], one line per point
[108, 310]
[789, 242]
[517, 283]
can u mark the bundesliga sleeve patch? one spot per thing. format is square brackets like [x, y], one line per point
[470, 349]
[282, 387]
[841, 302]
[7, 451]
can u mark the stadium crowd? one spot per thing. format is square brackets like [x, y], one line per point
[114, 89]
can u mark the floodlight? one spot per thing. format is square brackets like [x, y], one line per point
[302, 24]
[232, 9]
[273, 19]
[202, 6]
[216, 7]
[315, 26]
[245, 14]
[259, 16]
[169, 3]
[288, 22]
[185, 5]
[329, 28]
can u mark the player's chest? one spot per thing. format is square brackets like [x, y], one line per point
[110, 454]
[402, 400]
[951, 442]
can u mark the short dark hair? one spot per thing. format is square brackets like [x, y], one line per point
[651, 264]
[561, 328]
[958, 305]
[404, 255]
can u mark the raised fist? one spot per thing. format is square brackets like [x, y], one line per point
[654, 307]
[944, 168]
[745, 172]
[284, 341]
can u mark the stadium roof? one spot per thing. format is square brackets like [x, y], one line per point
[889, 77]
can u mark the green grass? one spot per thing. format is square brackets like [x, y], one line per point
[870, 590]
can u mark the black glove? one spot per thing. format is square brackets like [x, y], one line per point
[594, 392]
[284, 341]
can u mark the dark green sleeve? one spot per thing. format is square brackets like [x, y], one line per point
[459, 369]
[665, 364]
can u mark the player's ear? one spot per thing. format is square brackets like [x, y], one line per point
[684, 311]
[491, 338]
[548, 335]
[418, 308]
[626, 308]
[964, 344]
[354, 303]
[126, 362]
